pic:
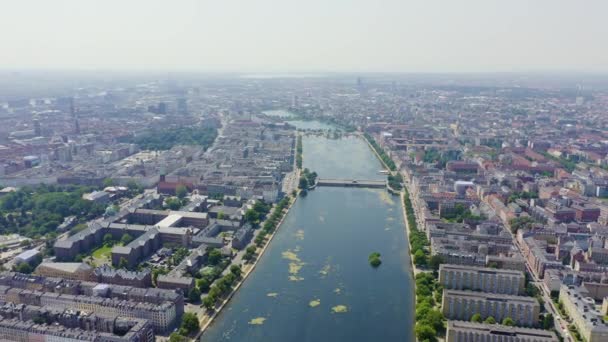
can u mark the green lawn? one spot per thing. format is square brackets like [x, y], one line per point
[103, 252]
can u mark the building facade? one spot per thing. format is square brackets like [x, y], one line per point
[459, 331]
[458, 277]
[462, 305]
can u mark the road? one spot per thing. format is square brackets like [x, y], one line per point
[560, 324]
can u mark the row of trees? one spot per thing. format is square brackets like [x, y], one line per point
[222, 287]
[257, 214]
[189, 326]
[385, 158]
[395, 181]
[429, 320]
[205, 277]
[299, 152]
[269, 227]
[418, 241]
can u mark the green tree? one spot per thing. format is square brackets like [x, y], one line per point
[126, 239]
[434, 318]
[134, 187]
[215, 256]
[236, 270]
[420, 258]
[108, 240]
[252, 216]
[548, 322]
[425, 332]
[249, 253]
[203, 284]
[374, 259]
[194, 295]
[435, 261]
[108, 182]
[24, 267]
[422, 310]
[508, 321]
[123, 263]
[173, 203]
[490, 320]
[476, 318]
[303, 183]
[176, 337]
[190, 322]
[209, 302]
[181, 191]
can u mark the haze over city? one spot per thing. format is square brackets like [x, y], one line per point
[306, 36]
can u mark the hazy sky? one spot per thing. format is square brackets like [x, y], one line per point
[306, 35]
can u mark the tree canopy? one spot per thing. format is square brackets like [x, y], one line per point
[166, 138]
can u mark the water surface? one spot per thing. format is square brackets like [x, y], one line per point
[314, 283]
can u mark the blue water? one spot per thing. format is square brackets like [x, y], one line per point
[327, 237]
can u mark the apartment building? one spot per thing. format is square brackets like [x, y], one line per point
[462, 305]
[459, 331]
[458, 277]
[585, 313]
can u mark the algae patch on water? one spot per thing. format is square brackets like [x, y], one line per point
[314, 303]
[296, 264]
[257, 321]
[295, 278]
[272, 294]
[339, 309]
[295, 267]
[386, 198]
[290, 255]
[325, 270]
[300, 234]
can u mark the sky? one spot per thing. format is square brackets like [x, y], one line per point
[306, 35]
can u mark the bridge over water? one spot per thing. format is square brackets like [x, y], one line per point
[352, 183]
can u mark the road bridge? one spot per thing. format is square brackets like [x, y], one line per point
[351, 183]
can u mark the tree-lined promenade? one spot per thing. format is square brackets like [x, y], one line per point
[386, 160]
[430, 323]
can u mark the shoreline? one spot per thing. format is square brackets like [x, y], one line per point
[376, 153]
[408, 232]
[250, 270]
